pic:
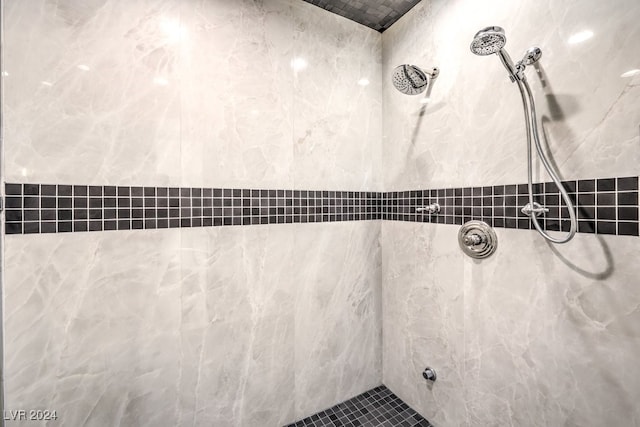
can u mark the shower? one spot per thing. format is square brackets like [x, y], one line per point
[412, 80]
[491, 40]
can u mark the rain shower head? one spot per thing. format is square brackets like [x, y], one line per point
[411, 80]
[488, 40]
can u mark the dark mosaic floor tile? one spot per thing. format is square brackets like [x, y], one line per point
[378, 407]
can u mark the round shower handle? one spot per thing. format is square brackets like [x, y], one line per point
[472, 239]
[477, 239]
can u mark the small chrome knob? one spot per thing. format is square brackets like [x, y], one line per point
[429, 374]
[472, 239]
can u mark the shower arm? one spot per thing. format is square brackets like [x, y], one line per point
[435, 72]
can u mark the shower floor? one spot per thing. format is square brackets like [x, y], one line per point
[375, 408]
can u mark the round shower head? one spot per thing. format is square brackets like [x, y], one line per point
[488, 40]
[410, 79]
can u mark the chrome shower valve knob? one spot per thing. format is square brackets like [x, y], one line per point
[433, 208]
[473, 239]
[477, 239]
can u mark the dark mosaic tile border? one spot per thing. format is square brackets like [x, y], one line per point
[375, 408]
[42, 208]
[603, 206]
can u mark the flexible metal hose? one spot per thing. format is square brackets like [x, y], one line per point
[532, 129]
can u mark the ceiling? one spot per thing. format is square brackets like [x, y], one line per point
[376, 14]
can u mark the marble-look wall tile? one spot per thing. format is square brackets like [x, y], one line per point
[237, 93]
[472, 131]
[198, 93]
[90, 331]
[338, 341]
[546, 331]
[337, 122]
[237, 327]
[81, 99]
[202, 94]
[534, 335]
[550, 333]
[423, 317]
[271, 97]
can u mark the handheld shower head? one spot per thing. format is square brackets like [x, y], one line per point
[411, 80]
[488, 40]
[491, 40]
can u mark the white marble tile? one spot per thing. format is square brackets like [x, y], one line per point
[337, 121]
[198, 93]
[89, 330]
[271, 97]
[193, 93]
[472, 133]
[238, 326]
[545, 333]
[237, 93]
[550, 340]
[80, 101]
[531, 336]
[338, 319]
[423, 304]
[219, 326]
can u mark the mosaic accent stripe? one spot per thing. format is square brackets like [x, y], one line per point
[43, 208]
[375, 408]
[603, 206]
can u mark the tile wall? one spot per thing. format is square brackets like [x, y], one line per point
[138, 115]
[264, 325]
[511, 336]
